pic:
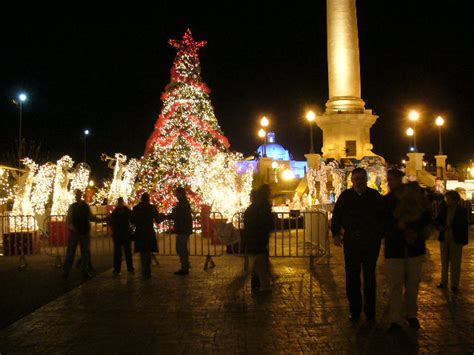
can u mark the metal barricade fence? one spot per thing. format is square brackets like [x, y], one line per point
[295, 234]
[57, 237]
[20, 237]
[202, 242]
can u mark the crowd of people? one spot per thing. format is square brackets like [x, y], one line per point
[404, 219]
[128, 225]
[362, 218]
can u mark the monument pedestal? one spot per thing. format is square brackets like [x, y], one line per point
[441, 166]
[346, 134]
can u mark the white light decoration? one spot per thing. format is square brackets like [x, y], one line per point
[129, 178]
[61, 195]
[6, 188]
[80, 178]
[216, 179]
[43, 187]
[124, 177]
[22, 205]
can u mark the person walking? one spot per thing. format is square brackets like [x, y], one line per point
[120, 223]
[407, 220]
[258, 222]
[183, 227]
[78, 220]
[453, 228]
[144, 215]
[356, 225]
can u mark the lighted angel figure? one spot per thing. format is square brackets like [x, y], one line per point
[22, 204]
[62, 197]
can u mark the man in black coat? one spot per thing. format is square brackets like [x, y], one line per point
[356, 225]
[143, 217]
[78, 220]
[120, 223]
[183, 227]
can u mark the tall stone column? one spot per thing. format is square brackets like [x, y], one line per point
[345, 123]
[343, 57]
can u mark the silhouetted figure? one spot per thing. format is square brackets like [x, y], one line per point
[78, 220]
[143, 217]
[407, 222]
[356, 224]
[453, 228]
[258, 222]
[120, 223]
[183, 227]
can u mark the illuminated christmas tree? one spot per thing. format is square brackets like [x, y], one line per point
[185, 128]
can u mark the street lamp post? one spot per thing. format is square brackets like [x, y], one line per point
[262, 134]
[21, 98]
[310, 116]
[414, 116]
[410, 133]
[86, 133]
[264, 122]
[439, 122]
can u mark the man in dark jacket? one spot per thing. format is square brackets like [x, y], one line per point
[407, 220]
[120, 223]
[183, 227]
[356, 225]
[143, 217]
[78, 221]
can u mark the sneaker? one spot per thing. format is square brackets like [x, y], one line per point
[414, 323]
[454, 289]
[181, 272]
[394, 328]
[441, 286]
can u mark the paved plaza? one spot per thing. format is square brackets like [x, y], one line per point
[216, 312]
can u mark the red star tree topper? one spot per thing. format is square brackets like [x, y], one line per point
[186, 125]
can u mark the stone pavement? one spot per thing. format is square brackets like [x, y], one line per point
[216, 312]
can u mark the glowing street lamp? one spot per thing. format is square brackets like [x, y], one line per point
[86, 133]
[414, 116]
[440, 122]
[262, 134]
[264, 122]
[310, 116]
[410, 133]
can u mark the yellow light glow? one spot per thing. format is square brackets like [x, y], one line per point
[261, 133]
[404, 161]
[413, 115]
[410, 131]
[439, 121]
[287, 175]
[91, 183]
[274, 165]
[310, 116]
[264, 122]
[425, 163]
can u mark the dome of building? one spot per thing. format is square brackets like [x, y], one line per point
[274, 150]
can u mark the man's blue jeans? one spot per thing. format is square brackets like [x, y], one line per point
[182, 250]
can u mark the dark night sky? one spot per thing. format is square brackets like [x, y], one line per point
[108, 76]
